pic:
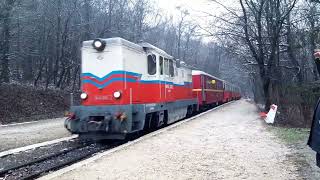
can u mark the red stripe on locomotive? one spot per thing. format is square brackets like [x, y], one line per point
[135, 93]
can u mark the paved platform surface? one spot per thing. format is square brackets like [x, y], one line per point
[14, 136]
[228, 143]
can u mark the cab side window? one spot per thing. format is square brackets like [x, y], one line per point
[161, 65]
[152, 64]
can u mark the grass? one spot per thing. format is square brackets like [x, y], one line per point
[291, 135]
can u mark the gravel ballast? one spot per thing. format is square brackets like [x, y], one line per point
[228, 143]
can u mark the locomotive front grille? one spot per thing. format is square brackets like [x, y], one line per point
[104, 119]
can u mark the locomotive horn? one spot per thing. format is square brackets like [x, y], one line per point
[99, 44]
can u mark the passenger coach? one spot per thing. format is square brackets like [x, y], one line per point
[231, 92]
[209, 90]
[212, 91]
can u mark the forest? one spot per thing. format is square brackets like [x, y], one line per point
[264, 46]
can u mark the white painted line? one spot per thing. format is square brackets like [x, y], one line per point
[99, 155]
[16, 124]
[33, 146]
[31, 122]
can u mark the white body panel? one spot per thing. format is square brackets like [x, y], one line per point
[110, 60]
[134, 61]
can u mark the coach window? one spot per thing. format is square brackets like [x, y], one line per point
[152, 64]
[171, 68]
[161, 65]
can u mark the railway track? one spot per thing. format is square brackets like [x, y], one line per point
[34, 163]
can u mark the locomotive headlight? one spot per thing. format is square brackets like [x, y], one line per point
[117, 94]
[84, 96]
[99, 44]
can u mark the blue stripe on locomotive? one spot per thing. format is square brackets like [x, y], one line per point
[127, 79]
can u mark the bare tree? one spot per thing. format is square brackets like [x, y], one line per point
[6, 7]
[183, 14]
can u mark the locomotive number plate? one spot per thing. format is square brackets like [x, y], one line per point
[168, 86]
[103, 98]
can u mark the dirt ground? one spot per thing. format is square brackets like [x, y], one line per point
[304, 157]
[27, 134]
[228, 143]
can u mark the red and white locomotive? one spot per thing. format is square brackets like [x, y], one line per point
[130, 87]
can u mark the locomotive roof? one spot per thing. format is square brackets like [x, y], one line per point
[158, 50]
[197, 72]
[116, 41]
[123, 42]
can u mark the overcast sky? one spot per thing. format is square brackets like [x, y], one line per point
[170, 5]
[196, 8]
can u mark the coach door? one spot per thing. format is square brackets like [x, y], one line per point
[203, 87]
[162, 84]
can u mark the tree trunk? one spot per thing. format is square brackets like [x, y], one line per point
[38, 77]
[58, 42]
[87, 15]
[5, 70]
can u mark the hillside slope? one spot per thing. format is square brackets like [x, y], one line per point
[23, 103]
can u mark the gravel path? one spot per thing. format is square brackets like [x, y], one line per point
[228, 143]
[27, 134]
